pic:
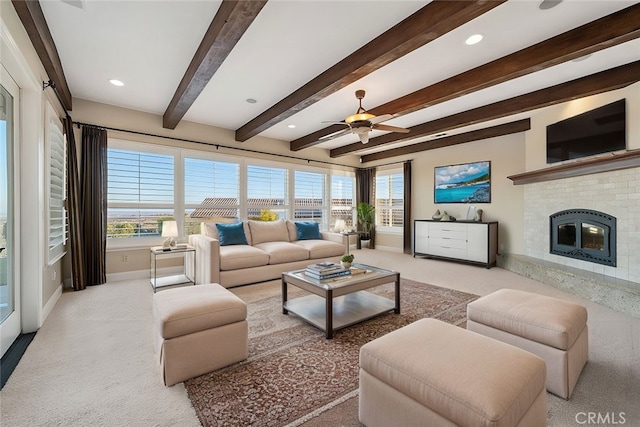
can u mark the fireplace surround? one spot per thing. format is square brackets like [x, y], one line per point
[584, 234]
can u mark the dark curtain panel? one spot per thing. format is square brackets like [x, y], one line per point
[365, 193]
[93, 190]
[407, 207]
[73, 208]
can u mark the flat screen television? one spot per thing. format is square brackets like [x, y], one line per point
[602, 130]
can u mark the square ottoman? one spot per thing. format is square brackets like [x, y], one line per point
[198, 329]
[554, 329]
[431, 373]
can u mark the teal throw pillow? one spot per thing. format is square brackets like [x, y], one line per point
[307, 230]
[231, 234]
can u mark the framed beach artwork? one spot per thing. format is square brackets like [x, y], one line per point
[463, 183]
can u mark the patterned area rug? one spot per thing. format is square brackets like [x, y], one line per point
[293, 373]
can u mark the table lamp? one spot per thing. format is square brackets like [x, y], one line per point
[169, 230]
[339, 226]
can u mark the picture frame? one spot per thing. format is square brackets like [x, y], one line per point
[463, 183]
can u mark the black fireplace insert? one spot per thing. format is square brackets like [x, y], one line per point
[584, 234]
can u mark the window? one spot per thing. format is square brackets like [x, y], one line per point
[267, 192]
[211, 191]
[140, 190]
[390, 200]
[150, 183]
[342, 200]
[308, 202]
[57, 232]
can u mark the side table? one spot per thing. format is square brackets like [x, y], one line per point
[176, 279]
[347, 236]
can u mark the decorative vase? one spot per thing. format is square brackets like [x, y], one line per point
[345, 264]
[478, 215]
[437, 216]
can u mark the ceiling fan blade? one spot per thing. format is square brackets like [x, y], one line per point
[335, 135]
[391, 128]
[381, 118]
[335, 122]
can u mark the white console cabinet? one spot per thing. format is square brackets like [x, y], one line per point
[466, 241]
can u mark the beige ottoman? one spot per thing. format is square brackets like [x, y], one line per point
[554, 329]
[431, 373]
[198, 329]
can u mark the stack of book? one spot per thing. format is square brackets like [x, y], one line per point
[326, 270]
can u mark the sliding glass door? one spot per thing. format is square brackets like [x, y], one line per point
[9, 291]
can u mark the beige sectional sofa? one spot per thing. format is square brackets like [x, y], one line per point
[272, 248]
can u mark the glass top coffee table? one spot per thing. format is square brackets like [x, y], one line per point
[341, 302]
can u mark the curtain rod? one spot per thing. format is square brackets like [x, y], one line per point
[212, 144]
[389, 164]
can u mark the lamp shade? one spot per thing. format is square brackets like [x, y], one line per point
[169, 229]
[339, 226]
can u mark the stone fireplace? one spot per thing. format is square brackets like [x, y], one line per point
[584, 234]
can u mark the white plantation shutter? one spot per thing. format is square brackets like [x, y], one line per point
[211, 191]
[342, 199]
[140, 192]
[57, 189]
[267, 189]
[390, 199]
[309, 196]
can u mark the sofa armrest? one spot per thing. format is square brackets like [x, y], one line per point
[333, 237]
[207, 263]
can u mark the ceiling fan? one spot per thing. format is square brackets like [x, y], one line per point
[362, 122]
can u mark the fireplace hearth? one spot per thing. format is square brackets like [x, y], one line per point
[584, 234]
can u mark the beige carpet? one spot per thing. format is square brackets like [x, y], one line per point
[92, 363]
[294, 373]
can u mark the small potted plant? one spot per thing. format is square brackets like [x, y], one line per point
[347, 260]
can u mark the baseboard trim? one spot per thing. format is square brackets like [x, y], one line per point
[48, 307]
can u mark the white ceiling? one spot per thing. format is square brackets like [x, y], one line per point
[149, 44]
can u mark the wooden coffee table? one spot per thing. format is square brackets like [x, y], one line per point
[337, 303]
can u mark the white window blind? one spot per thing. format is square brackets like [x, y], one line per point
[211, 191]
[342, 200]
[390, 199]
[140, 192]
[267, 190]
[57, 189]
[309, 196]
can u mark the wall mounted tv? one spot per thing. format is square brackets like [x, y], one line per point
[602, 130]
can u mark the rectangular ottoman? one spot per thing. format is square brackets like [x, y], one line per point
[431, 373]
[554, 329]
[198, 329]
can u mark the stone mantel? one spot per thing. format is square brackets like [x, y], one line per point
[610, 162]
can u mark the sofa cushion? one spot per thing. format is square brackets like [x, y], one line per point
[281, 252]
[235, 257]
[321, 248]
[231, 234]
[268, 231]
[209, 229]
[307, 230]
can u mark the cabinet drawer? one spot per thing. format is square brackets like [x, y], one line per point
[447, 252]
[446, 242]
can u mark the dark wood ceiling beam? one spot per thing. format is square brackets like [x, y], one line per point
[603, 81]
[230, 23]
[34, 22]
[476, 135]
[608, 31]
[432, 21]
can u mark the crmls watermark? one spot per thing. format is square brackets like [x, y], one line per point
[601, 418]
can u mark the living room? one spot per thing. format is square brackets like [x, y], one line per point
[521, 210]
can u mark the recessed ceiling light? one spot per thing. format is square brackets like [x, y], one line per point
[116, 82]
[474, 39]
[549, 4]
[251, 101]
[291, 126]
